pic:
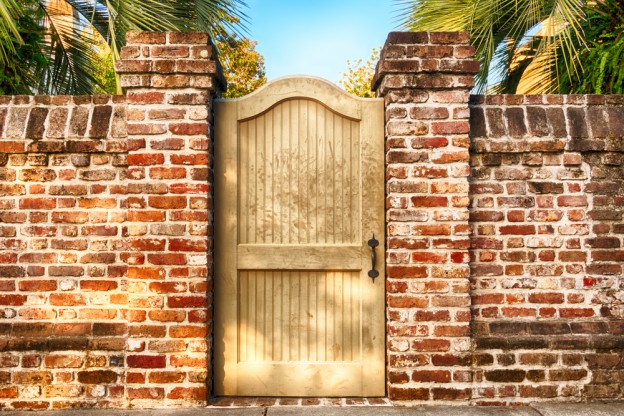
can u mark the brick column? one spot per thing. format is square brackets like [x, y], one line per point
[425, 79]
[170, 81]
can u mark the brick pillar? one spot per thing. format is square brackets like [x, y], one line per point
[170, 80]
[425, 79]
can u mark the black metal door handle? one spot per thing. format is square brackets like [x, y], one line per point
[372, 273]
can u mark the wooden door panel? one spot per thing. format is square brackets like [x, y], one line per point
[290, 316]
[299, 191]
[345, 257]
[298, 179]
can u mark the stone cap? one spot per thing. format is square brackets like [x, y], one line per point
[170, 53]
[426, 53]
[514, 123]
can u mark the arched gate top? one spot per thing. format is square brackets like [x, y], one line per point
[299, 87]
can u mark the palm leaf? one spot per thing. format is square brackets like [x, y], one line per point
[9, 33]
[93, 12]
[72, 40]
[502, 29]
[73, 55]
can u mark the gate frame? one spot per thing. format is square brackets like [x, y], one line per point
[349, 107]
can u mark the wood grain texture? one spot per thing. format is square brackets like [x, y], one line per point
[299, 181]
[299, 191]
[279, 318]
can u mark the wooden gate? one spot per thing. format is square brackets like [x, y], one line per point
[299, 194]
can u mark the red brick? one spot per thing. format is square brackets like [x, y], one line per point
[37, 203]
[67, 299]
[152, 393]
[431, 230]
[429, 201]
[97, 377]
[70, 217]
[451, 157]
[434, 345]
[8, 393]
[428, 257]
[549, 298]
[146, 244]
[150, 97]
[146, 361]
[407, 302]
[188, 393]
[396, 393]
[194, 159]
[576, 312]
[167, 202]
[488, 299]
[30, 405]
[179, 244]
[167, 173]
[450, 127]
[167, 315]
[188, 129]
[63, 361]
[187, 361]
[37, 285]
[182, 331]
[98, 285]
[167, 259]
[517, 229]
[8, 258]
[143, 159]
[146, 216]
[146, 273]
[432, 376]
[12, 300]
[572, 201]
[402, 272]
[163, 377]
[186, 301]
[518, 312]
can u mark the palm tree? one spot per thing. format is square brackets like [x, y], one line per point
[602, 70]
[533, 41]
[74, 32]
[20, 38]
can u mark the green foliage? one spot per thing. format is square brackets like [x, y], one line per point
[359, 76]
[74, 63]
[603, 60]
[9, 32]
[243, 66]
[24, 56]
[106, 77]
[506, 37]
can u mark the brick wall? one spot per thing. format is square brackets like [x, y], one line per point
[547, 197]
[105, 236]
[504, 235]
[170, 79]
[541, 234]
[62, 209]
[425, 80]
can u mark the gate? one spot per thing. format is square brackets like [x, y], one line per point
[299, 195]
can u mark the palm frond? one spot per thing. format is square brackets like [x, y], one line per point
[94, 12]
[75, 35]
[9, 33]
[72, 52]
[501, 30]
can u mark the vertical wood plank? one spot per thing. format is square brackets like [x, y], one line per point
[299, 182]
[277, 316]
[244, 323]
[243, 169]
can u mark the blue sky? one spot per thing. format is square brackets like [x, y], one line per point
[317, 37]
